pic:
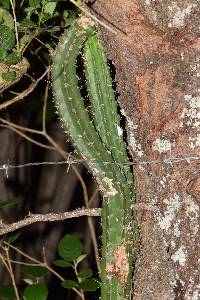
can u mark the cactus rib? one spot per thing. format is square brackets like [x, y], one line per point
[100, 143]
[103, 102]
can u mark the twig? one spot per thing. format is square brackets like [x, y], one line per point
[28, 138]
[25, 92]
[45, 103]
[22, 128]
[51, 217]
[15, 23]
[11, 273]
[93, 236]
[36, 261]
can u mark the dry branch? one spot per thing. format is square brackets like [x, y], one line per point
[25, 92]
[51, 217]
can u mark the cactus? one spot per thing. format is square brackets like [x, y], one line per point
[97, 138]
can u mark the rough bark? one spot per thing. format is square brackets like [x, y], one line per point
[157, 63]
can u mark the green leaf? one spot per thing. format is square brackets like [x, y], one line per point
[13, 58]
[7, 37]
[70, 248]
[7, 292]
[34, 3]
[5, 3]
[69, 16]
[35, 291]
[36, 271]
[85, 273]
[6, 18]
[3, 53]
[9, 202]
[9, 76]
[26, 25]
[12, 237]
[69, 284]
[62, 263]
[89, 285]
[49, 7]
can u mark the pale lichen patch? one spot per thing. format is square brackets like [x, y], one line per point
[173, 244]
[187, 97]
[177, 232]
[194, 142]
[178, 14]
[179, 280]
[192, 207]
[133, 143]
[191, 115]
[192, 212]
[136, 147]
[163, 181]
[148, 2]
[195, 102]
[173, 205]
[111, 191]
[193, 295]
[180, 256]
[162, 145]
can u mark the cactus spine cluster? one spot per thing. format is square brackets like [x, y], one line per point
[96, 135]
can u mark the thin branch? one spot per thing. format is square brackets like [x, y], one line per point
[36, 261]
[15, 24]
[11, 124]
[28, 138]
[25, 92]
[45, 103]
[51, 217]
[94, 240]
[12, 274]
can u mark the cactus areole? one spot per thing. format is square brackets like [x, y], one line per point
[96, 136]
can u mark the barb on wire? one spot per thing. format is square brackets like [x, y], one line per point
[70, 161]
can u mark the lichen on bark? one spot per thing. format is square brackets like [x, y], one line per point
[157, 64]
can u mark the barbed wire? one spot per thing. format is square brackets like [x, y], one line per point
[165, 160]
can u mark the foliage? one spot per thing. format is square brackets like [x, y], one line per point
[35, 19]
[70, 249]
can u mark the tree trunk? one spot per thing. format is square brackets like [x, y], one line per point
[156, 55]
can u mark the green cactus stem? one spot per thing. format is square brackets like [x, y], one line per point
[97, 136]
